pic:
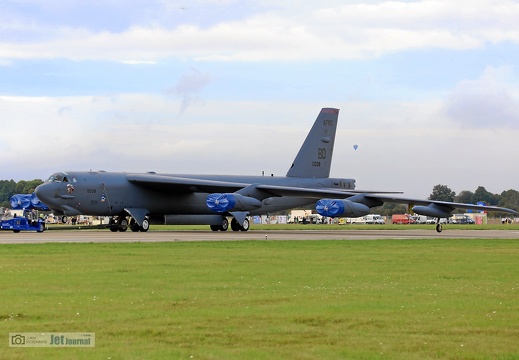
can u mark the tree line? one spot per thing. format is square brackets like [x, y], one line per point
[508, 199]
[10, 187]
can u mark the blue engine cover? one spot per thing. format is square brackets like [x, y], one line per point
[27, 201]
[220, 202]
[329, 207]
[20, 201]
[338, 207]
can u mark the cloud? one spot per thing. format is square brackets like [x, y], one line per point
[188, 87]
[139, 62]
[313, 32]
[487, 102]
[63, 110]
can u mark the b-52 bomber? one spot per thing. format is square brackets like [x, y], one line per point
[136, 200]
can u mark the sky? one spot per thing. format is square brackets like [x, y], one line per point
[427, 90]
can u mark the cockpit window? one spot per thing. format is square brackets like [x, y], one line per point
[58, 177]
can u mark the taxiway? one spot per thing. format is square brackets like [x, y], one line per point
[106, 236]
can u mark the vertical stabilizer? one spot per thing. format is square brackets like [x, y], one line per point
[314, 159]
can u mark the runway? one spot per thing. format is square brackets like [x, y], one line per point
[106, 236]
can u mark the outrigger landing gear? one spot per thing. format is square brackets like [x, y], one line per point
[438, 226]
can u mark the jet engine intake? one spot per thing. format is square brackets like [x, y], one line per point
[433, 210]
[231, 202]
[338, 207]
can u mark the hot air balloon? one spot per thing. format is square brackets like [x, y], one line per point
[355, 146]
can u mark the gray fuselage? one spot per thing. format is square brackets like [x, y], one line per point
[109, 193]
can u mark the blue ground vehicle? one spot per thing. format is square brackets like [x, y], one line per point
[19, 223]
[27, 203]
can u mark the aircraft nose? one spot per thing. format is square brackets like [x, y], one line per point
[43, 193]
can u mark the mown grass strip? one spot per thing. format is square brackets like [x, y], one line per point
[413, 299]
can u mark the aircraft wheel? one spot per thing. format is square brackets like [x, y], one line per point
[145, 225]
[122, 224]
[439, 228]
[234, 225]
[225, 224]
[245, 225]
[113, 228]
[133, 225]
[214, 227]
[64, 219]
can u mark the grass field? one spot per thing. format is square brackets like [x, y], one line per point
[390, 299]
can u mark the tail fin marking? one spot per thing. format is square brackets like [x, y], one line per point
[314, 159]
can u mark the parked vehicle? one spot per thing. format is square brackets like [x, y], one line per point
[402, 219]
[462, 219]
[420, 219]
[357, 220]
[374, 219]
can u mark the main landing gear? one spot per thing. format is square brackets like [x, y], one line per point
[121, 224]
[145, 226]
[235, 226]
[222, 227]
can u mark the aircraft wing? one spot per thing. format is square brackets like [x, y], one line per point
[262, 191]
[441, 204]
[182, 184]
[188, 184]
[360, 205]
[276, 190]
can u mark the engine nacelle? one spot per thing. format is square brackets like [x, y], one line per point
[338, 207]
[433, 210]
[231, 202]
